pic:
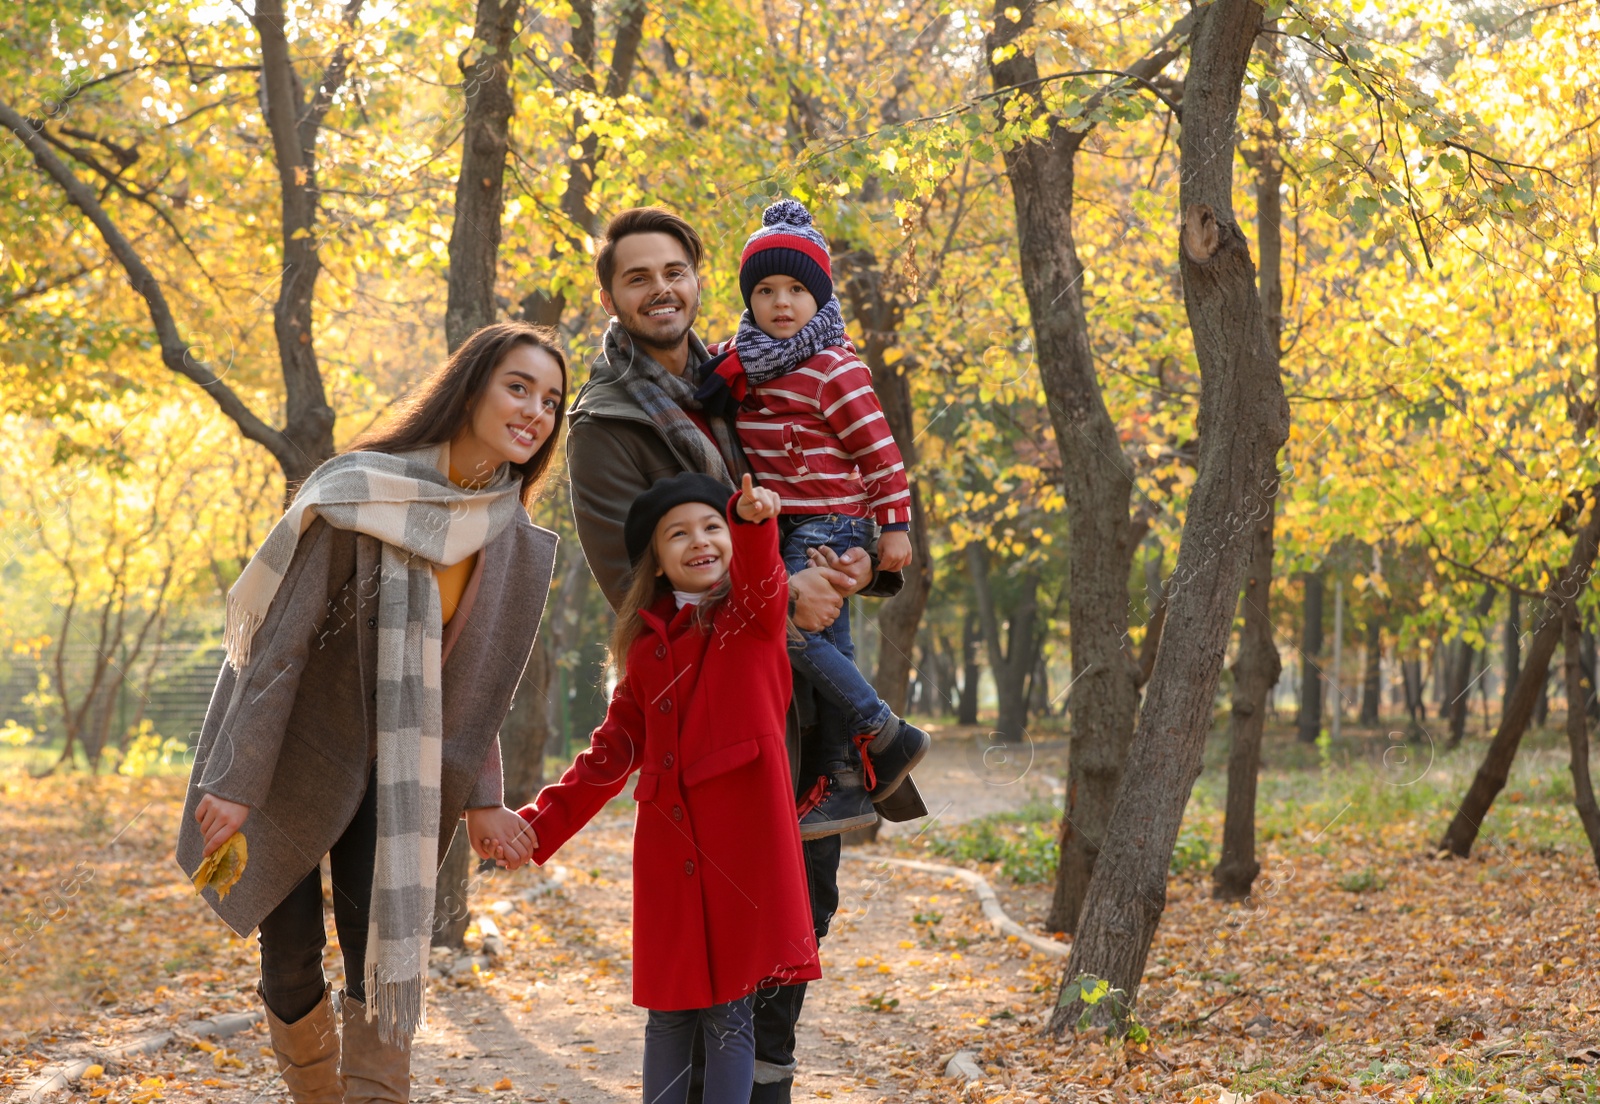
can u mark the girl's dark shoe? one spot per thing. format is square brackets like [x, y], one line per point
[835, 805]
[889, 756]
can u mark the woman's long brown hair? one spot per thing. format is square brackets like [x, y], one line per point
[441, 406]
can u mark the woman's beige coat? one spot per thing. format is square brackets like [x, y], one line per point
[294, 734]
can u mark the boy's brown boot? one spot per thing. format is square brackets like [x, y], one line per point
[308, 1053]
[374, 1070]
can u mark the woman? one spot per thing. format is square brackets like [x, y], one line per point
[374, 642]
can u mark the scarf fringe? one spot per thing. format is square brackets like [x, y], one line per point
[398, 1006]
[239, 629]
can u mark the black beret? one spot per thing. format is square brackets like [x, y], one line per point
[649, 508]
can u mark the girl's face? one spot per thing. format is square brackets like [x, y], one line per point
[513, 415]
[692, 547]
[781, 305]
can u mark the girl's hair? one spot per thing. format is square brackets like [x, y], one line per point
[644, 587]
[441, 406]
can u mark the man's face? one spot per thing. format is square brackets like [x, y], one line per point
[654, 293]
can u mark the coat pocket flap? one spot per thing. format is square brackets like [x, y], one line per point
[721, 761]
[645, 790]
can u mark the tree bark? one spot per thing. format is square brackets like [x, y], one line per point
[1513, 648]
[1372, 682]
[1010, 661]
[480, 188]
[1578, 732]
[1105, 678]
[1496, 766]
[294, 125]
[1309, 723]
[1458, 689]
[967, 714]
[1243, 422]
[1256, 670]
[546, 305]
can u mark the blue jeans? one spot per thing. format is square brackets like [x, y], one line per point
[730, 1053]
[827, 658]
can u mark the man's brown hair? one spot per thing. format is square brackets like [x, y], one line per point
[644, 220]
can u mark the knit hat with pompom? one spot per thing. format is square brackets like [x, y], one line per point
[787, 245]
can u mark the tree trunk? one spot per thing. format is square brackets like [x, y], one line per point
[1105, 679]
[1496, 766]
[1243, 422]
[1513, 648]
[294, 126]
[1256, 670]
[1372, 683]
[900, 617]
[1578, 732]
[1416, 706]
[452, 889]
[1309, 724]
[1462, 661]
[480, 188]
[970, 673]
[527, 729]
[1009, 662]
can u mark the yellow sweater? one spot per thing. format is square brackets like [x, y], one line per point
[453, 580]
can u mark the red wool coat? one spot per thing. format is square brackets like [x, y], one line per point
[719, 889]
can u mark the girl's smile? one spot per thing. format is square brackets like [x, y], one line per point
[693, 547]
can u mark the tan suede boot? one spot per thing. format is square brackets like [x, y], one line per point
[374, 1071]
[308, 1053]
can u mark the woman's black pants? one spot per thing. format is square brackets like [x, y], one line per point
[293, 935]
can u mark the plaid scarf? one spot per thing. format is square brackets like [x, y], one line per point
[665, 397]
[422, 519]
[766, 357]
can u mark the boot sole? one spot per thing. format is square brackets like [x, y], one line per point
[836, 827]
[886, 788]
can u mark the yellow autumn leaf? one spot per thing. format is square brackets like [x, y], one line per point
[93, 1073]
[224, 867]
[503, 1084]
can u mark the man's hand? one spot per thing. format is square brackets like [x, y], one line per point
[757, 503]
[850, 572]
[497, 833]
[894, 550]
[816, 596]
[218, 818]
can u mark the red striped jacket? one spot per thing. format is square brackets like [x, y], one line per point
[818, 437]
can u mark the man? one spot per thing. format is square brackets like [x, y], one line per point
[636, 421]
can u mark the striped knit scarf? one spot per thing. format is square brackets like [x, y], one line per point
[665, 397]
[422, 519]
[766, 357]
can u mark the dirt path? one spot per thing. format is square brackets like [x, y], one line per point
[910, 973]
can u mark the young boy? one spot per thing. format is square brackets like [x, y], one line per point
[814, 432]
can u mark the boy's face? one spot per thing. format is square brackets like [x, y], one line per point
[781, 305]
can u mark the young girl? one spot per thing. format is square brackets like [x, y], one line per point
[720, 905]
[374, 642]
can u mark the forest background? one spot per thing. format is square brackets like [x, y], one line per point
[235, 234]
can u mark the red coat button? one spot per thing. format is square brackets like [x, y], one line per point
[666, 705]
[661, 651]
[677, 812]
[688, 868]
[666, 760]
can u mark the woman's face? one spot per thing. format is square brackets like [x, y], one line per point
[513, 416]
[693, 547]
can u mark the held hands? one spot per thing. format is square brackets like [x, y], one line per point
[499, 834]
[757, 503]
[218, 818]
[894, 550]
[820, 590]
